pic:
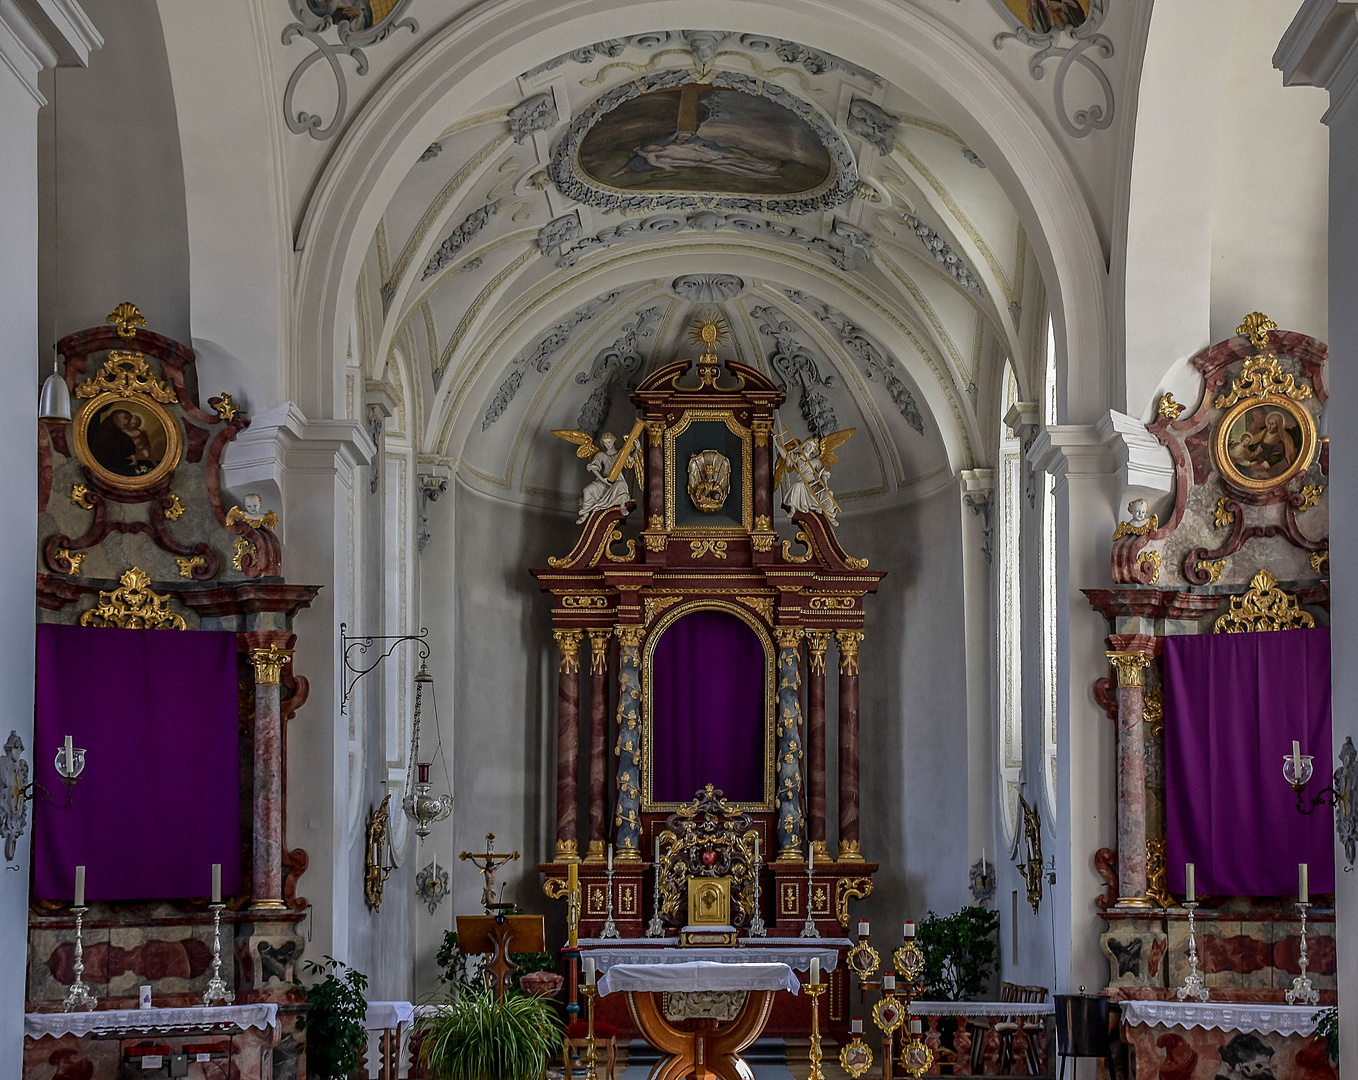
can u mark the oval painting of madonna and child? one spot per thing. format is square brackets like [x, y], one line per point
[694, 139]
[127, 442]
[1262, 443]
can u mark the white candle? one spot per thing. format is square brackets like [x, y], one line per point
[856, 1026]
[1190, 884]
[1303, 884]
[610, 856]
[657, 851]
[889, 981]
[79, 886]
[915, 1026]
[70, 757]
[909, 931]
[1296, 760]
[983, 864]
[862, 928]
[815, 971]
[756, 848]
[810, 857]
[589, 971]
[216, 883]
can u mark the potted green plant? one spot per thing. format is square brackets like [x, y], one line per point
[960, 951]
[475, 1037]
[336, 1006]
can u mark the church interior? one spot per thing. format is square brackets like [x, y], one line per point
[634, 541]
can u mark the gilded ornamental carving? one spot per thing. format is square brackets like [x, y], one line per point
[134, 605]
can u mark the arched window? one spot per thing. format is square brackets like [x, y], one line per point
[1049, 590]
[1009, 493]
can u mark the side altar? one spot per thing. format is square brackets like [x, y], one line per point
[708, 637]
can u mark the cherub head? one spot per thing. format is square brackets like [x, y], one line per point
[1140, 511]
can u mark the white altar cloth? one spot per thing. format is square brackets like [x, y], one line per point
[696, 975]
[796, 953]
[1224, 1016]
[136, 1021]
[982, 1008]
[388, 1015]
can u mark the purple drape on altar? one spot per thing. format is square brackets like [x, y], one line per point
[1233, 705]
[160, 798]
[707, 701]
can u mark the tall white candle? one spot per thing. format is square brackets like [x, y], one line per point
[589, 971]
[1190, 885]
[1303, 884]
[863, 928]
[909, 931]
[815, 971]
[657, 850]
[610, 856]
[216, 883]
[810, 857]
[756, 849]
[79, 886]
[70, 756]
[1296, 760]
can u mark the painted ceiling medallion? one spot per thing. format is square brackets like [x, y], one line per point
[732, 143]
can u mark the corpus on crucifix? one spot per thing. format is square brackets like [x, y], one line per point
[488, 862]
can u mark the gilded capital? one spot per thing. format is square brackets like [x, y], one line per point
[817, 642]
[630, 635]
[848, 641]
[269, 664]
[568, 641]
[598, 651]
[656, 430]
[1129, 666]
[762, 430]
[788, 636]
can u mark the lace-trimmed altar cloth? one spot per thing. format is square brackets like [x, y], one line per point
[796, 953]
[662, 977]
[982, 1008]
[388, 1015]
[158, 1021]
[1263, 1019]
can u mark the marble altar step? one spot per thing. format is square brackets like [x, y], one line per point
[767, 1052]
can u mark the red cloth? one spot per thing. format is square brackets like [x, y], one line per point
[580, 1030]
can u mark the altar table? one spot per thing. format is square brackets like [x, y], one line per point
[1195, 1041]
[796, 953]
[234, 1040]
[704, 1048]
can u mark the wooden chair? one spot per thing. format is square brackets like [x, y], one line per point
[577, 1042]
[1003, 1035]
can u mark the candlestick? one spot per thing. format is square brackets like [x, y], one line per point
[809, 926]
[610, 929]
[656, 927]
[591, 1053]
[216, 883]
[757, 927]
[1193, 985]
[573, 905]
[1303, 884]
[1190, 885]
[1302, 992]
[814, 991]
[216, 992]
[79, 996]
[80, 886]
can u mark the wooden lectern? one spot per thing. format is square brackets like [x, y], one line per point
[496, 934]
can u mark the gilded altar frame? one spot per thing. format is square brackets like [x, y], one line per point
[648, 803]
[674, 482]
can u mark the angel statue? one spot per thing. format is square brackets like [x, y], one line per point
[803, 471]
[606, 464]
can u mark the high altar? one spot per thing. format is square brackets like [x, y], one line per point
[707, 641]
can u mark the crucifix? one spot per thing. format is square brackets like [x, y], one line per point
[488, 862]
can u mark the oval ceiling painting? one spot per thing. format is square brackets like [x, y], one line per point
[730, 144]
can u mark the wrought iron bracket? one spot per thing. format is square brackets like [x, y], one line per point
[353, 648]
[1342, 794]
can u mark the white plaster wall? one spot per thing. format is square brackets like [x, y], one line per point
[1269, 219]
[119, 186]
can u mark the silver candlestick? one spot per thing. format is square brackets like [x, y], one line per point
[610, 929]
[809, 927]
[1193, 986]
[655, 928]
[79, 996]
[757, 927]
[216, 992]
[1302, 992]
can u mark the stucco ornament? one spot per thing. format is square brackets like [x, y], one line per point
[805, 470]
[356, 27]
[13, 782]
[874, 124]
[537, 113]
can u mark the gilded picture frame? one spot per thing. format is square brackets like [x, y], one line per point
[127, 441]
[1263, 442]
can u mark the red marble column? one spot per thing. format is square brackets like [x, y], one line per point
[763, 474]
[600, 642]
[655, 472]
[267, 874]
[817, 642]
[848, 641]
[567, 744]
[1131, 778]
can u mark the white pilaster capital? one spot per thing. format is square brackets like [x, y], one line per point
[1320, 48]
[1070, 451]
[1023, 419]
[978, 485]
[37, 34]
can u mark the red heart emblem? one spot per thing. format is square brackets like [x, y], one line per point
[709, 858]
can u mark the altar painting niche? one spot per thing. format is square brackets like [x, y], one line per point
[697, 139]
[1044, 16]
[710, 683]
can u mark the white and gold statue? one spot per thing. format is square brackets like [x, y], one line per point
[803, 472]
[606, 464]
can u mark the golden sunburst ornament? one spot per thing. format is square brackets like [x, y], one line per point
[710, 329]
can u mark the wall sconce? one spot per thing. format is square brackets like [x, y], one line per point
[18, 792]
[1298, 768]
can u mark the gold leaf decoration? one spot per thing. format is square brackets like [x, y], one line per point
[73, 559]
[1153, 710]
[80, 495]
[268, 521]
[174, 511]
[1256, 326]
[1126, 528]
[1169, 407]
[1259, 377]
[1263, 606]
[1153, 558]
[1221, 517]
[1318, 557]
[1157, 888]
[656, 604]
[226, 408]
[244, 550]
[187, 563]
[127, 317]
[715, 548]
[1310, 495]
[1213, 567]
[134, 605]
[761, 604]
[125, 373]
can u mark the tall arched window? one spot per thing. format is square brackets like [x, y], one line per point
[1049, 591]
[1009, 495]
